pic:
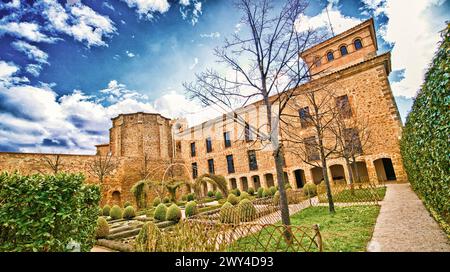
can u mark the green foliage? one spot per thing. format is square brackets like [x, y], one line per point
[156, 201]
[228, 213]
[106, 210]
[287, 186]
[216, 180]
[273, 190]
[184, 197]
[218, 195]
[425, 142]
[127, 203]
[244, 195]
[102, 228]
[310, 189]
[210, 194]
[236, 192]
[140, 192]
[116, 212]
[276, 199]
[173, 213]
[191, 208]
[260, 192]
[166, 199]
[149, 238]
[232, 199]
[251, 191]
[160, 212]
[190, 197]
[247, 211]
[129, 212]
[266, 192]
[46, 212]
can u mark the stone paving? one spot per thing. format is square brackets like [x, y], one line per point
[404, 224]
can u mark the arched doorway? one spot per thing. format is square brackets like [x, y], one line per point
[316, 174]
[233, 183]
[256, 182]
[269, 180]
[337, 172]
[360, 173]
[116, 198]
[244, 183]
[385, 169]
[299, 178]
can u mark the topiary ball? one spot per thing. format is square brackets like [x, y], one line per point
[166, 199]
[244, 195]
[210, 193]
[116, 212]
[287, 186]
[128, 212]
[276, 199]
[190, 197]
[100, 211]
[127, 203]
[228, 214]
[273, 190]
[173, 213]
[310, 189]
[191, 208]
[266, 192]
[156, 201]
[106, 210]
[259, 194]
[102, 228]
[218, 195]
[251, 191]
[232, 199]
[246, 210]
[160, 212]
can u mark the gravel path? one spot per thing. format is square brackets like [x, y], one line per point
[404, 224]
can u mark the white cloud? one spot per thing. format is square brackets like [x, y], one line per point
[27, 30]
[7, 72]
[211, 35]
[31, 51]
[34, 69]
[146, 8]
[192, 66]
[130, 54]
[185, 2]
[415, 41]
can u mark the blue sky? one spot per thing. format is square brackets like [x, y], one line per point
[67, 67]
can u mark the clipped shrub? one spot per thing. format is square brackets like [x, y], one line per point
[127, 203]
[273, 190]
[425, 141]
[266, 192]
[156, 201]
[166, 199]
[102, 228]
[246, 210]
[233, 199]
[287, 186]
[173, 213]
[190, 197]
[251, 191]
[160, 212]
[100, 211]
[244, 195]
[228, 214]
[237, 192]
[218, 195]
[106, 210]
[149, 238]
[116, 212]
[191, 208]
[260, 192]
[310, 189]
[210, 194]
[128, 212]
[276, 198]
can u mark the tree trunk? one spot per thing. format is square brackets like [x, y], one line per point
[326, 179]
[284, 207]
[356, 169]
[350, 174]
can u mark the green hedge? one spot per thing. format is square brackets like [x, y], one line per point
[425, 143]
[46, 212]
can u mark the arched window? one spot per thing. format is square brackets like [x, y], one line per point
[317, 61]
[343, 50]
[357, 43]
[330, 56]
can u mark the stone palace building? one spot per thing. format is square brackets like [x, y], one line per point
[347, 63]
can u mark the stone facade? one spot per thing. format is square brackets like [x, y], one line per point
[244, 161]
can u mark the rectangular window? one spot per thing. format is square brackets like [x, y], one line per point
[343, 105]
[211, 166]
[208, 145]
[248, 133]
[193, 149]
[352, 141]
[312, 153]
[252, 162]
[230, 164]
[227, 139]
[305, 117]
[194, 170]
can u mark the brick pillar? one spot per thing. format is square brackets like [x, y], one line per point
[308, 176]
[291, 177]
[240, 184]
[263, 181]
[373, 178]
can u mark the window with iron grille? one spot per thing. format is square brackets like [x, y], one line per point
[194, 170]
[248, 133]
[211, 166]
[312, 153]
[227, 139]
[230, 164]
[193, 149]
[208, 145]
[252, 162]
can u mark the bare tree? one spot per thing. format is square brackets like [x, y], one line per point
[53, 162]
[318, 143]
[264, 56]
[102, 166]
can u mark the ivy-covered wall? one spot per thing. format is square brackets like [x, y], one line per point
[425, 144]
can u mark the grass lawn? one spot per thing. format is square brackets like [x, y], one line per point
[348, 230]
[360, 195]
